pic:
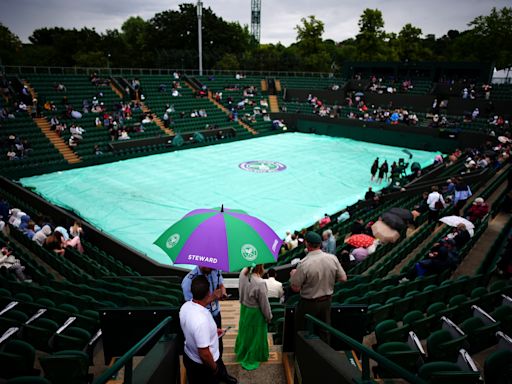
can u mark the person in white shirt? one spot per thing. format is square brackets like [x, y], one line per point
[435, 204]
[201, 355]
[293, 243]
[274, 287]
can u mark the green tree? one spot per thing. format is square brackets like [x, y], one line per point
[316, 54]
[371, 23]
[371, 40]
[90, 59]
[228, 61]
[410, 45]
[309, 34]
[492, 35]
[10, 46]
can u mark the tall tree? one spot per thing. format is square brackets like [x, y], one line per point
[371, 40]
[10, 46]
[311, 46]
[410, 45]
[492, 35]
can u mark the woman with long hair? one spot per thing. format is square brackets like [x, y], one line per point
[251, 346]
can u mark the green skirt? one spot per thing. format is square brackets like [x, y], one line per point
[251, 346]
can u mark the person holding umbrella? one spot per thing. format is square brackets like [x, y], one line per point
[251, 345]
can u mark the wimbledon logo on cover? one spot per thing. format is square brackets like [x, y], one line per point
[262, 166]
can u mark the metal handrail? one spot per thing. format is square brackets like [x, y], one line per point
[27, 69]
[366, 353]
[127, 359]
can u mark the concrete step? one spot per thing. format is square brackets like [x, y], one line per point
[273, 358]
[59, 143]
[229, 343]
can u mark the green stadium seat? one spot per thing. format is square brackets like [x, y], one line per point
[399, 353]
[12, 318]
[66, 367]
[497, 286]
[441, 346]
[388, 330]
[17, 359]
[23, 297]
[503, 314]
[498, 367]
[435, 308]
[443, 372]
[480, 335]
[39, 332]
[71, 338]
[28, 380]
[46, 303]
[419, 323]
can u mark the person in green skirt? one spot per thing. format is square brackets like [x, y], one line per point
[251, 346]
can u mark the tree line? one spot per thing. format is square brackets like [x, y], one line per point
[169, 40]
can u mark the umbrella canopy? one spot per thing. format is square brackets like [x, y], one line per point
[218, 238]
[360, 254]
[415, 167]
[359, 94]
[360, 240]
[453, 221]
[402, 213]
[384, 233]
[394, 221]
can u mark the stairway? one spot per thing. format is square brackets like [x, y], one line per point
[274, 104]
[271, 371]
[157, 120]
[117, 91]
[225, 110]
[264, 85]
[277, 85]
[32, 91]
[33, 94]
[44, 125]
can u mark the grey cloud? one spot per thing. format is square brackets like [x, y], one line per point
[278, 17]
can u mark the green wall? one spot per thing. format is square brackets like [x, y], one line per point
[387, 135]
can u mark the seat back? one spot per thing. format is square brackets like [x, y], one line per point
[401, 354]
[28, 380]
[70, 368]
[17, 359]
[498, 367]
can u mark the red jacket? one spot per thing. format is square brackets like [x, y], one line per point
[478, 211]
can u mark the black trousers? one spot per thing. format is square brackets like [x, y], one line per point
[321, 310]
[218, 322]
[201, 373]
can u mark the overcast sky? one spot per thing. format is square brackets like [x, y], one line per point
[279, 17]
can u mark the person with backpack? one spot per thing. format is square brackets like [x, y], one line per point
[435, 204]
[461, 195]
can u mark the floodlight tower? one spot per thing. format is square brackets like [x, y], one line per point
[256, 19]
[200, 35]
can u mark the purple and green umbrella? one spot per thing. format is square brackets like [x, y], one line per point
[218, 238]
